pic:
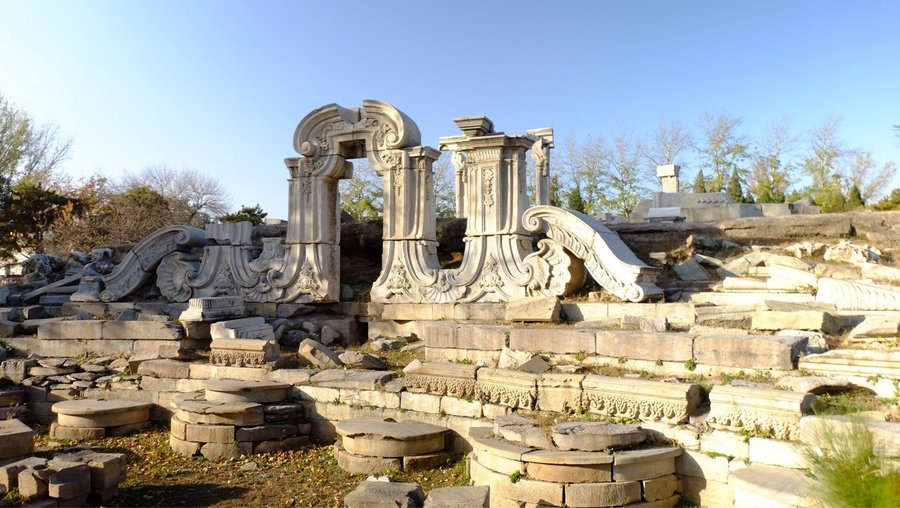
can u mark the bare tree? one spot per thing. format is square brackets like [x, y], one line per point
[194, 198]
[771, 170]
[723, 150]
[28, 149]
[865, 175]
[444, 190]
[583, 165]
[624, 178]
[667, 143]
[826, 159]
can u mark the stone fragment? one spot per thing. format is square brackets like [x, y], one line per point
[855, 295]
[142, 330]
[68, 480]
[544, 308]
[362, 464]
[360, 360]
[634, 465]
[658, 489]
[33, 482]
[329, 336]
[244, 391]
[220, 451]
[798, 319]
[244, 352]
[372, 494]
[522, 431]
[757, 485]
[596, 436]
[580, 495]
[353, 379]
[165, 368]
[552, 340]
[691, 270]
[560, 392]
[852, 362]
[424, 461]
[58, 431]
[510, 359]
[245, 328]
[318, 355]
[536, 365]
[749, 351]
[878, 326]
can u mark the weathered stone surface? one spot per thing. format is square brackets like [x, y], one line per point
[100, 413]
[580, 495]
[522, 431]
[372, 494]
[68, 479]
[16, 439]
[461, 407]
[510, 359]
[66, 330]
[243, 352]
[506, 388]
[847, 295]
[662, 488]
[220, 451]
[749, 351]
[424, 461]
[58, 431]
[726, 443]
[387, 438]
[352, 379]
[182, 447]
[442, 378]
[481, 337]
[536, 365]
[559, 392]
[210, 433]
[552, 340]
[885, 435]
[878, 326]
[318, 355]
[596, 436]
[217, 413]
[691, 270]
[360, 360]
[475, 496]
[673, 347]
[771, 486]
[266, 432]
[642, 399]
[775, 452]
[142, 330]
[568, 473]
[532, 491]
[853, 362]
[758, 409]
[545, 308]
[364, 464]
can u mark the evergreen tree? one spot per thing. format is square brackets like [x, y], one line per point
[855, 199]
[574, 200]
[734, 189]
[699, 182]
[253, 214]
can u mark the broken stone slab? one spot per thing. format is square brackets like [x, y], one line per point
[506, 388]
[816, 385]
[510, 359]
[442, 378]
[758, 410]
[214, 308]
[245, 328]
[639, 398]
[785, 276]
[372, 494]
[244, 391]
[596, 436]
[520, 430]
[847, 295]
[543, 308]
[244, 352]
[475, 496]
[101, 413]
[191, 410]
[376, 437]
[536, 365]
[749, 351]
[9, 473]
[318, 355]
[743, 284]
[16, 438]
[68, 479]
[163, 368]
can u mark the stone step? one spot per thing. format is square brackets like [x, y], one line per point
[101, 413]
[374, 437]
[596, 436]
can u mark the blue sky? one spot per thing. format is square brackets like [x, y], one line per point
[220, 86]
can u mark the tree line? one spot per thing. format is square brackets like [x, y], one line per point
[44, 210]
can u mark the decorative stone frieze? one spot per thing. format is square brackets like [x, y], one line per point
[506, 387]
[640, 399]
[441, 378]
[758, 410]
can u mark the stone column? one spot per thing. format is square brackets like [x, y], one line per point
[540, 152]
[668, 176]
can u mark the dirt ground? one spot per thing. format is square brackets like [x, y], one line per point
[308, 477]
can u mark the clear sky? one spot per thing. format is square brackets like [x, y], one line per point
[219, 86]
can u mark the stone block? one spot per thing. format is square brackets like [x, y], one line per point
[290, 376]
[213, 309]
[100, 413]
[641, 399]
[658, 489]
[772, 486]
[461, 407]
[569, 473]
[318, 355]
[441, 334]
[381, 438]
[142, 330]
[482, 337]
[442, 378]
[552, 340]
[670, 347]
[706, 492]
[33, 483]
[375, 398]
[633, 465]
[749, 351]
[424, 462]
[220, 451]
[533, 491]
[68, 480]
[266, 432]
[420, 402]
[479, 311]
[602, 494]
[9, 473]
[16, 438]
[67, 330]
[165, 368]
[210, 433]
[541, 308]
[182, 447]
[800, 320]
[352, 379]
[244, 328]
[776, 412]
[774, 452]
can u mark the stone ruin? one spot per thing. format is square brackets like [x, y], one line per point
[238, 355]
